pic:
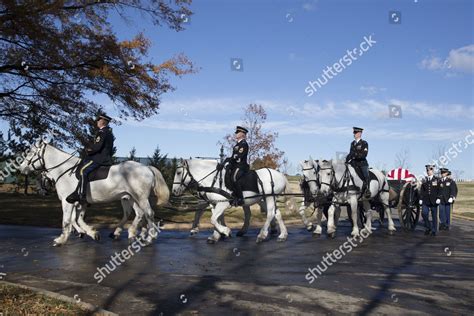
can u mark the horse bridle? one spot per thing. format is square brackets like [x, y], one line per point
[40, 158]
[305, 179]
[193, 183]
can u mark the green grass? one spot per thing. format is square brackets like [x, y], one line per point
[19, 301]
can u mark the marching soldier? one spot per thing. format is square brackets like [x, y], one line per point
[237, 164]
[357, 157]
[429, 200]
[448, 193]
[99, 153]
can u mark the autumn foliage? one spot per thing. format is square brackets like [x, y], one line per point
[58, 56]
[262, 149]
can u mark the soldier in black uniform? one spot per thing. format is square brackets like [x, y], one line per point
[99, 153]
[448, 193]
[237, 164]
[358, 158]
[429, 200]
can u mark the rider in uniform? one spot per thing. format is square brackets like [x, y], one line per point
[237, 164]
[429, 200]
[448, 193]
[357, 158]
[99, 153]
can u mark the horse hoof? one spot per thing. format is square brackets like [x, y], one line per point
[391, 232]
[240, 233]
[332, 235]
[112, 235]
[310, 228]
[192, 233]
[211, 241]
[97, 236]
[317, 235]
[281, 239]
[259, 240]
[81, 235]
[131, 240]
[55, 244]
[273, 231]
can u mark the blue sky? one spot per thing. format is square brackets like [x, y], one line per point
[425, 65]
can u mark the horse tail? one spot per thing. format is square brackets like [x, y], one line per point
[160, 187]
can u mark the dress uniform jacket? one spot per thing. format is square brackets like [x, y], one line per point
[447, 189]
[358, 153]
[429, 191]
[101, 150]
[239, 155]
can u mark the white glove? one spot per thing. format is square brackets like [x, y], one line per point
[450, 200]
[438, 201]
[421, 202]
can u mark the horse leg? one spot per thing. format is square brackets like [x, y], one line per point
[153, 229]
[247, 216]
[132, 230]
[307, 223]
[80, 231]
[331, 226]
[197, 218]
[384, 197]
[270, 206]
[283, 231]
[68, 210]
[90, 231]
[368, 216]
[216, 214]
[355, 216]
[319, 229]
[214, 238]
[127, 210]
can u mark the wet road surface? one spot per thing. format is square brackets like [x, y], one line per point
[407, 273]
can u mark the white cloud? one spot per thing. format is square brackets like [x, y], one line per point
[372, 90]
[330, 118]
[462, 59]
[310, 5]
[459, 59]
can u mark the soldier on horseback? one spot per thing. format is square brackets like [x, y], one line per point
[357, 157]
[99, 153]
[237, 165]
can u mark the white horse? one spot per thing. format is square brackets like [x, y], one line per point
[341, 180]
[312, 198]
[201, 173]
[130, 182]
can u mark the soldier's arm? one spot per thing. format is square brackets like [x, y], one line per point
[241, 152]
[98, 143]
[454, 189]
[350, 156]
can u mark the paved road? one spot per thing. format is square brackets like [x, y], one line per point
[400, 274]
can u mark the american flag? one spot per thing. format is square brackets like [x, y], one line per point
[400, 174]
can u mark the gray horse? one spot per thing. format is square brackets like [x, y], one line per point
[342, 182]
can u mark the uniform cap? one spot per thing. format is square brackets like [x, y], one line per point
[104, 117]
[241, 129]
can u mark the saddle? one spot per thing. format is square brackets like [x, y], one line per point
[100, 173]
[248, 182]
[372, 176]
